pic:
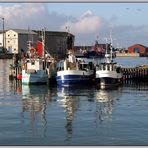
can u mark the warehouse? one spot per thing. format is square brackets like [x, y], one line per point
[56, 43]
[17, 39]
[138, 48]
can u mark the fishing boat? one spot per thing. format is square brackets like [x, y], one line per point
[34, 72]
[73, 71]
[108, 72]
[34, 66]
[97, 51]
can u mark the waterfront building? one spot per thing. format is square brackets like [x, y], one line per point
[137, 48]
[56, 43]
[1, 42]
[17, 39]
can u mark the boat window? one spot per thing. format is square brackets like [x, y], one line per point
[118, 69]
[112, 67]
[43, 65]
[104, 67]
[80, 66]
[108, 67]
[32, 62]
[48, 64]
[99, 67]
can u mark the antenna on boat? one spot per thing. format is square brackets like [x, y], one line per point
[111, 40]
[106, 45]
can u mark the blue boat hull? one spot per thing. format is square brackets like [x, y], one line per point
[73, 79]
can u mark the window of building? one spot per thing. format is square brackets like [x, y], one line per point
[136, 50]
[8, 35]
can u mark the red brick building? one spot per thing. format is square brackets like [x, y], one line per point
[138, 48]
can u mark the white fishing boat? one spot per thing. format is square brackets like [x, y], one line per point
[73, 71]
[108, 72]
[34, 72]
[34, 66]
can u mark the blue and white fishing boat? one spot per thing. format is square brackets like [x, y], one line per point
[73, 71]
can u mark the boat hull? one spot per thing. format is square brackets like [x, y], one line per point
[72, 77]
[106, 78]
[38, 77]
[107, 81]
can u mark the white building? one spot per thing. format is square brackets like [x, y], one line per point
[17, 39]
[1, 42]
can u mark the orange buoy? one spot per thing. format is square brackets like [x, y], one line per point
[19, 76]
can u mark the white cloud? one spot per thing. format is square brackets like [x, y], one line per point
[33, 15]
[88, 23]
[86, 28]
[87, 13]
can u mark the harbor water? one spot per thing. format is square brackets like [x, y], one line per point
[83, 115]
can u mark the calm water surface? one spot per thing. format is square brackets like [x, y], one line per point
[47, 115]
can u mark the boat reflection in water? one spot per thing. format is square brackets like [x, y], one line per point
[105, 100]
[34, 103]
[70, 101]
[69, 98]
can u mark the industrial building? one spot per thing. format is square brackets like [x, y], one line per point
[138, 48]
[17, 39]
[56, 43]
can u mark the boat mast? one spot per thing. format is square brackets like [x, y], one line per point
[111, 40]
[43, 45]
[106, 46]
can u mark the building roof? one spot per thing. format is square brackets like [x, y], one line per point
[23, 31]
[139, 45]
[1, 31]
[55, 33]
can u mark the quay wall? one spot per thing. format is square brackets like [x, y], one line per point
[127, 55]
[138, 73]
[6, 56]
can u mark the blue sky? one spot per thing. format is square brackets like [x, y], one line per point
[87, 21]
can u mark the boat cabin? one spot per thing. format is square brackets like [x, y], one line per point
[78, 65]
[109, 67]
[85, 66]
[35, 64]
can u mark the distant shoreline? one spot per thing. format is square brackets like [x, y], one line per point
[10, 56]
[127, 55]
